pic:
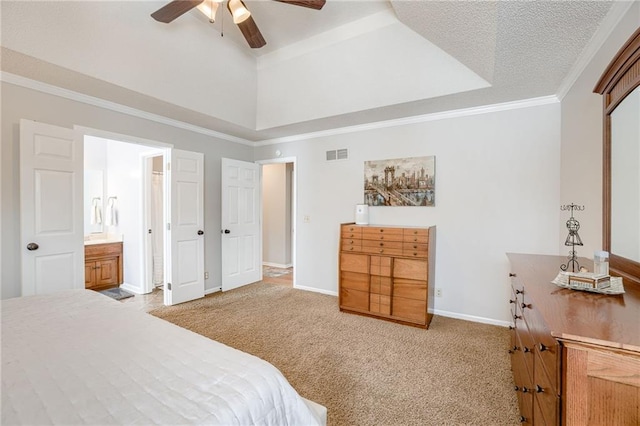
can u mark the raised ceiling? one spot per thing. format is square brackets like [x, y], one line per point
[353, 62]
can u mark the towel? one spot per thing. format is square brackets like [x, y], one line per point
[112, 212]
[96, 212]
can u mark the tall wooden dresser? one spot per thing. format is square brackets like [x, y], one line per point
[575, 355]
[387, 272]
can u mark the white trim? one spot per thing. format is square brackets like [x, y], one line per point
[113, 106]
[315, 290]
[119, 137]
[277, 265]
[471, 318]
[464, 112]
[132, 289]
[212, 290]
[608, 24]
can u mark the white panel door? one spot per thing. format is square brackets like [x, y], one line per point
[186, 268]
[241, 257]
[51, 211]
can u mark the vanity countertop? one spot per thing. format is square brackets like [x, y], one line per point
[101, 239]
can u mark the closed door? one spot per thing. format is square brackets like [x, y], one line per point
[51, 212]
[241, 257]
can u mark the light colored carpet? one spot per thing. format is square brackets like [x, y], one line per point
[364, 370]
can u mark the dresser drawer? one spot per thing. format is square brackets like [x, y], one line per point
[351, 231]
[547, 398]
[545, 345]
[380, 265]
[354, 262]
[355, 280]
[382, 234]
[410, 289]
[411, 269]
[354, 299]
[380, 304]
[415, 250]
[351, 245]
[420, 236]
[379, 246]
[410, 310]
[380, 285]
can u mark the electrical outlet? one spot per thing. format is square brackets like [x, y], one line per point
[206, 275]
[438, 292]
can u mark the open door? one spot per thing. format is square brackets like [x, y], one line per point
[185, 272]
[241, 257]
[51, 211]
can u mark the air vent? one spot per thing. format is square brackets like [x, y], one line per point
[338, 154]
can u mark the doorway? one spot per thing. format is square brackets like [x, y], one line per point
[278, 221]
[119, 179]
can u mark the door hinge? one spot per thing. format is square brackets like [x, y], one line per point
[168, 227]
[168, 286]
[168, 166]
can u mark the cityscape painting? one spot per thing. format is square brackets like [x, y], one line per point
[400, 182]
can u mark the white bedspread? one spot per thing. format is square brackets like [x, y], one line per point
[78, 357]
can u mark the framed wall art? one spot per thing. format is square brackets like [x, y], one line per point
[400, 182]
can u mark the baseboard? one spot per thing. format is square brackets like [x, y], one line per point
[471, 318]
[131, 288]
[316, 290]
[277, 265]
[212, 290]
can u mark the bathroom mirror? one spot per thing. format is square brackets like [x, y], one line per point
[620, 85]
[93, 201]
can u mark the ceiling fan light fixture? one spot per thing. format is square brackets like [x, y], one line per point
[239, 11]
[209, 8]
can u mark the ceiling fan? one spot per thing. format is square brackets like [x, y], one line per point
[241, 15]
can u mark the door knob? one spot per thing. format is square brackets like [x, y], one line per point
[201, 232]
[226, 231]
[32, 246]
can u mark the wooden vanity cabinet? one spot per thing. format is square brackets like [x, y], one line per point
[575, 356]
[386, 272]
[103, 266]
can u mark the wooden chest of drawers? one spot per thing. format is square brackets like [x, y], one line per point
[387, 272]
[575, 356]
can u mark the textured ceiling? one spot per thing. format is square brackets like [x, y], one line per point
[523, 49]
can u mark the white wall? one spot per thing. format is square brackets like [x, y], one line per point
[276, 214]
[497, 191]
[18, 102]
[581, 154]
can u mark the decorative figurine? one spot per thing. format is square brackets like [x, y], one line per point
[573, 239]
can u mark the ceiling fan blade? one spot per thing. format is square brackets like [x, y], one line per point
[251, 32]
[176, 8]
[311, 4]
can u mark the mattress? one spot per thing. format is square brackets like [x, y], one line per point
[79, 357]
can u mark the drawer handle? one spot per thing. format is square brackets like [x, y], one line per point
[526, 350]
[519, 291]
[381, 251]
[382, 230]
[351, 248]
[525, 389]
[415, 247]
[516, 388]
[542, 347]
[523, 419]
[511, 274]
[517, 317]
[511, 327]
[415, 240]
[415, 254]
[381, 244]
[526, 305]
[539, 389]
[512, 301]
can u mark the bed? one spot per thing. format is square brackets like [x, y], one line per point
[79, 357]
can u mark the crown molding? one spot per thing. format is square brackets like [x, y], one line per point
[113, 106]
[465, 112]
[608, 24]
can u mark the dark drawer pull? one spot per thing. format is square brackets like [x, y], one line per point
[526, 305]
[511, 327]
[525, 389]
[539, 389]
[517, 317]
[526, 350]
[516, 389]
[511, 274]
[523, 419]
[512, 301]
[542, 347]
[519, 291]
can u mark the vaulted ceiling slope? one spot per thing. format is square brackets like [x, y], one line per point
[353, 62]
